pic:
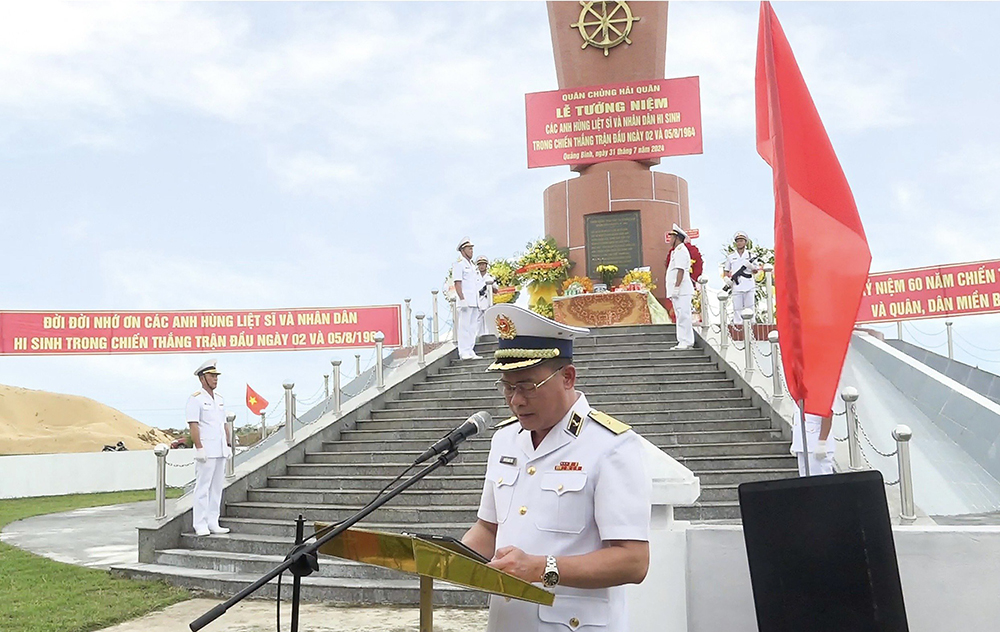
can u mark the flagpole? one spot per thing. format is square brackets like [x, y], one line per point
[802, 427]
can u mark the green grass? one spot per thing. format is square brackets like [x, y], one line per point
[40, 595]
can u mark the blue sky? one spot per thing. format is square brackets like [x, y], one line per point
[253, 156]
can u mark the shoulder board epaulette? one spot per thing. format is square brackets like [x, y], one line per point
[196, 394]
[506, 422]
[609, 422]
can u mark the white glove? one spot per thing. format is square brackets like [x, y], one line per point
[820, 453]
[227, 451]
[199, 455]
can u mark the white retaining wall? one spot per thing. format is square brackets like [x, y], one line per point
[30, 475]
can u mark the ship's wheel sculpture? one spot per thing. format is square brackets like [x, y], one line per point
[604, 24]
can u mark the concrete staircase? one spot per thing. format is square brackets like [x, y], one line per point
[682, 401]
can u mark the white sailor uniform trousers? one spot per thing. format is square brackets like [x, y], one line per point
[680, 259]
[743, 289]
[469, 314]
[582, 486]
[817, 467]
[210, 476]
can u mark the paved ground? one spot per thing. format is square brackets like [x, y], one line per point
[258, 616]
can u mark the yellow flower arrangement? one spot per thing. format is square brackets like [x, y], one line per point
[642, 277]
[584, 282]
[544, 262]
[608, 273]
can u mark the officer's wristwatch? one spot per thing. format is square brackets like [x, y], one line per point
[550, 576]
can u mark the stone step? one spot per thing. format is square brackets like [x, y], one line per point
[413, 517]
[389, 469]
[461, 409]
[335, 590]
[650, 385]
[259, 564]
[705, 511]
[317, 477]
[253, 529]
[360, 497]
[481, 379]
[666, 363]
[487, 398]
[482, 442]
[609, 342]
[737, 476]
[737, 461]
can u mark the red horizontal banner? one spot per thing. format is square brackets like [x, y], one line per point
[957, 289]
[623, 121]
[88, 333]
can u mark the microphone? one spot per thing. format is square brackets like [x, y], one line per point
[471, 426]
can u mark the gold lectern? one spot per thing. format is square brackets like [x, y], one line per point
[430, 561]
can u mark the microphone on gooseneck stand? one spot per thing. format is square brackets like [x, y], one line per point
[471, 426]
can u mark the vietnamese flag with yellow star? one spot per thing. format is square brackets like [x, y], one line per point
[255, 402]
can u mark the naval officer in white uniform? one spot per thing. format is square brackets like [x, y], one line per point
[743, 287]
[680, 289]
[468, 282]
[206, 416]
[566, 499]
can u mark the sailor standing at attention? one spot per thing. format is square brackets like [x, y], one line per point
[566, 500]
[206, 417]
[467, 284]
[680, 290]
[739, 269]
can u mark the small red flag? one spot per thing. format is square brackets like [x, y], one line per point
[255, 402]
[820, 250]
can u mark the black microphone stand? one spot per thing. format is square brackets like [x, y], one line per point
[304, 558]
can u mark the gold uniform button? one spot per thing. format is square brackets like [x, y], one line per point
[560, 488]
[524, 510]
[500, 480]
[531, 471]
[574, 622]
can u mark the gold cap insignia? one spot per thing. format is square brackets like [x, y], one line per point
[505, 327]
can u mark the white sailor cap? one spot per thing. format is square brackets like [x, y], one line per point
[465, 242]
[208, 366]
[677, 230]
[740, 235]
[525, 338]
[482, 259]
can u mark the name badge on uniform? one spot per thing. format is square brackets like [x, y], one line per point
[575, 425]
[508, 460]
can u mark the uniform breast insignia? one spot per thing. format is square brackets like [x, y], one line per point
[506, 422]
[508, 460]
[575, 424]
[568, 466]
[609, 422]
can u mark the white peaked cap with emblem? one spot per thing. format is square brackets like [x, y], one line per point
[677, 230]
[208, 366]
[740, 234]
[465, 242]
[525, 338]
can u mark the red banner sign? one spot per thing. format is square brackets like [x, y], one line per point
[623, 121]
[87, 333]
[935, 292]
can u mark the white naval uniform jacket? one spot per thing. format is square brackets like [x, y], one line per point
[735, 261]
[210, 414]
[679, 260]
[565, 498]
[468, 273]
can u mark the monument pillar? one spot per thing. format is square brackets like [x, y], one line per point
[616, 211]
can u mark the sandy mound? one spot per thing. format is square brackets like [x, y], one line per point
[38, 422]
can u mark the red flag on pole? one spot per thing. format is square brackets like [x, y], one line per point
[820, 251]
[255, 402]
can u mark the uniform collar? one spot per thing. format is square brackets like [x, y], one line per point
[558, 436]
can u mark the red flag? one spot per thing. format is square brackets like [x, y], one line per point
[255, 402]
[821, 254]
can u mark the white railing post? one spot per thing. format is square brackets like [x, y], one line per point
[705, 312]
[289, 411]
[420, 339]
[850, 396]
[899, 330]
[409, 323]
[747, 316]
[435, 332]
[902, 434]
[161, 450]
[723, 323]
[951, 348]
[777, 392]
[769, 285]
[357, 364]
[336, 386]
[231, 435]
[454, 319]
[379, 369]
[263, 426]
[326, 386]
